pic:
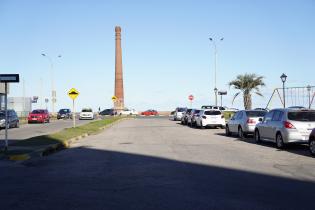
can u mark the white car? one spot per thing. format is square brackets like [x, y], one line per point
[210, 118]
[86, 114]
[244, 122]
[128, 112]
[179, 111]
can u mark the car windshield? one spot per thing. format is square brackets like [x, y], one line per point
[64, 111]
[181, 109]
[38, 112]
[256, 113]
[212, 113]
[86, 110]
[304, 116]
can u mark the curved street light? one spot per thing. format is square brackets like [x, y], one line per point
[215, 67]
[53, 91]
[283, 78]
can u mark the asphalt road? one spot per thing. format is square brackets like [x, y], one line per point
[35, 129]
[159, 164]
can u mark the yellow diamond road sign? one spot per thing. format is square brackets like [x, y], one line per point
[73, 93]
[114, 98]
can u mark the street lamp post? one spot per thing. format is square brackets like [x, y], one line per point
[283, 79]
[309, 95]
[53, 91]
[215, 68]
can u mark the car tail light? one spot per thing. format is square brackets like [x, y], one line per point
[288, 125]
[204, 117]
[222, 116]
[250, 121]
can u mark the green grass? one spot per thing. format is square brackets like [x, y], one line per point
[228, 114]
[66, 134]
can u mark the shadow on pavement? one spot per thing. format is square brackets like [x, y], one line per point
[86, 178]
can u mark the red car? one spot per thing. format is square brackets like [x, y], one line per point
[150, 112]
[38, 115]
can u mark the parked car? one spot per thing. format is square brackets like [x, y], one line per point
[191, 120]
[13, 120]
[171, 115]
[150, 112]
[39, 115]
[244, 122]
[128, 112]
[109, 112]
[210, 118]
[184, 119]
[86, 114]
[64, 114]
[179, 111]
[284, 126]
[311, 142]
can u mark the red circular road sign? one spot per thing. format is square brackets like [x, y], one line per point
[191, 97]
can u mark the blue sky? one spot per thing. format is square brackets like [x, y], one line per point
[166, 51]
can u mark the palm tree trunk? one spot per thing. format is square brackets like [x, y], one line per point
[247, 100]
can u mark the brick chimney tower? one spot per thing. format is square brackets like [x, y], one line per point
[119, 85]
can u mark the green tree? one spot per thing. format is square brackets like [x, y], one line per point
[247, 84]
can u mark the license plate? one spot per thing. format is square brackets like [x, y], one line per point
[305, 137]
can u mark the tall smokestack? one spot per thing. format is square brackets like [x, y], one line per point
[119, 85]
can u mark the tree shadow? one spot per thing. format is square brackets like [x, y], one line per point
[88, 178]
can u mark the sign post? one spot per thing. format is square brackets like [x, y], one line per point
[222, 93]
[191, 98]
[7, 78]
[73, 94]
[114, 99]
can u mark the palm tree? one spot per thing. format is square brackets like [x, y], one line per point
[247, 83]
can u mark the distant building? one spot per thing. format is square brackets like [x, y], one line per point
[22, 105]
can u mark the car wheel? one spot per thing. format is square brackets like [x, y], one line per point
[257, 136]
[279, 141]
[17, 125]
[227, 131]
[240, 133]
[312, 146]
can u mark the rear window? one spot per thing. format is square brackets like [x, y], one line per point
[255, 113]
[62, 111]
[38, 111]
[86, 110]
[196, 111]
[2, 114]
[304, 116]
[212, 113]
[206, 107]
[181, 109]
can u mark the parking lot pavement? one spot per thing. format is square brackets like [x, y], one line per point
[35, 129]
[155, 163]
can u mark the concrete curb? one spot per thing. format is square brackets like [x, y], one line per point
[55, 147]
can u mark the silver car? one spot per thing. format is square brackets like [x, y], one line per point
[185, 116]
[284, 126]
[179, 111]
[243, 122]
[191, 119]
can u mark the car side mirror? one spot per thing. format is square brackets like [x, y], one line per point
[260, 119]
